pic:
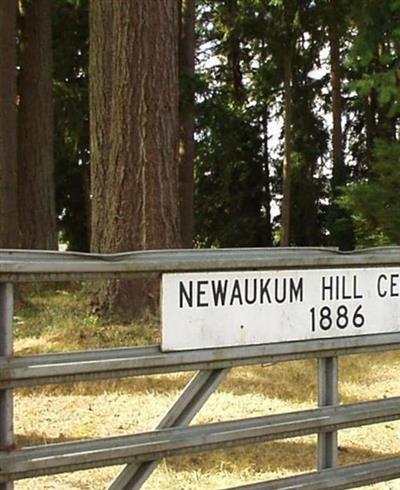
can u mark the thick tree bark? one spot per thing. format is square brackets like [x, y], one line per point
[100, 97]
[287, 159]
[8, 126]
[138, 181]
[187, 48]
[36, 200]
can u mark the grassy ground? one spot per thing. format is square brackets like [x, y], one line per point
[58, 319]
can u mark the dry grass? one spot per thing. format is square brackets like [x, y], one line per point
[58, 319]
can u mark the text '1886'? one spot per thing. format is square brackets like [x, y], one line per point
[218, 309]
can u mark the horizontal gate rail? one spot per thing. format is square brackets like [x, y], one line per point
[71, 456]
[137, 361]
[350, 476]
[28, 266]
[142, 452]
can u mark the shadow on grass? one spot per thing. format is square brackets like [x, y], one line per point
[287, 382]
[295, 381]
[158, 384]
[364, 369]
[40, 439]
[288, 455]
[290, 381]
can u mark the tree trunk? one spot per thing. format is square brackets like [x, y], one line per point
[287, 160]
[100, 96]
[138, 180]
[36, 201]
[234, 52]
[370, 127]
[267, 181]
[339, 176]
[386, 123]
[341, 224]
[8, 126]
[187, 146]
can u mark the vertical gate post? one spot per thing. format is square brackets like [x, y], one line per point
[6, 350]
[327, 395]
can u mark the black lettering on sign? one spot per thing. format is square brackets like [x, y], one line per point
[340, 288]
[253, 299]
[282, 298]
[394, 285]
[327, 287]
[325, 318]
[200, 293]
[342, 317]
[219, 289]
[388, 285]
[186, 294]
[264, 285]
[296, 291]
[381, 288]
[345, 296]
[236, 293]
[356, 293]
[325, 321]
[225, 292]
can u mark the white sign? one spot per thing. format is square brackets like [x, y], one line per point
[219, 309]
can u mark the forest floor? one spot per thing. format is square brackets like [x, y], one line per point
[57, 318]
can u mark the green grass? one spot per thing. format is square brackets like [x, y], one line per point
[54, 318]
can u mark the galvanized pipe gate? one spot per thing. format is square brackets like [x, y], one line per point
[142, 452]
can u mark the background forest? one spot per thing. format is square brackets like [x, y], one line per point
[166, 124]
[206, 123]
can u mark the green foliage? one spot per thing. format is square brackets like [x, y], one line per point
[308, 182]
[375, 52]
[237, 171]
[374, 203]
[373, 64]
[228, 177]
[230, 184]
[71, 107]
[239, 114]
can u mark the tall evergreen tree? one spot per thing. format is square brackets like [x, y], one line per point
[36, 200]
[8, 126]
[100, 90]
[138, 181]
[288, 15]
[187, 48]
[230, 204]
[339, 220]
[310, 134]
[374, 61]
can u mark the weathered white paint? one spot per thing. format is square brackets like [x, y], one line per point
[194, 318]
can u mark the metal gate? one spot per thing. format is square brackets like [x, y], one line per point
[142, 452]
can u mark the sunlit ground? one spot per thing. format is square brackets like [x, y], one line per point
[52, 319]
